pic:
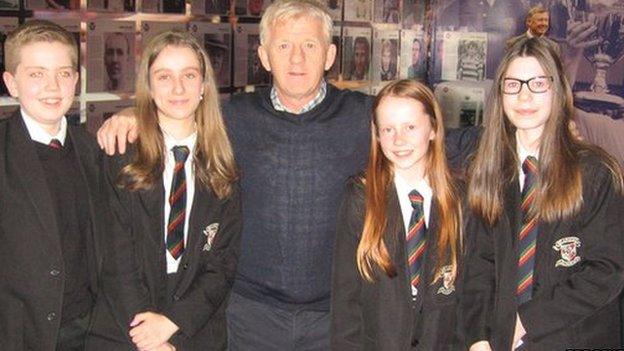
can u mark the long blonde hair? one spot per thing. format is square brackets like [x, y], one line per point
[372, 250]
[213, 160]
[559, 189]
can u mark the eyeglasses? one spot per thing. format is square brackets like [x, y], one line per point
[537, 85]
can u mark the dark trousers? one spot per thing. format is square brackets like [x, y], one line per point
[72, 335]
[257, 326]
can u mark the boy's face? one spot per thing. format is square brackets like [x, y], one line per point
[44, 82]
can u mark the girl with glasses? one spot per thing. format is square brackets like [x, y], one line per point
[397, 249]
[544, 264]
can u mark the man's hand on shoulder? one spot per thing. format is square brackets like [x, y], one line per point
[117, 131]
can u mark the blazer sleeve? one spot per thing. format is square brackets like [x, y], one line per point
[460, 143]
[600, 279]
[121, 279]
[214, 281]
[346, 306]
[478, 282]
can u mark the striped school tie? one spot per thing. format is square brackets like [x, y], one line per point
[416, 242]
[177, 201]
[527, 236]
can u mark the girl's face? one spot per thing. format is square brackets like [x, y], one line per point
[404, 131]
[528, 111]
[176, 84]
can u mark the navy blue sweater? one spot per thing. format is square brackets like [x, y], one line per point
[293, 171]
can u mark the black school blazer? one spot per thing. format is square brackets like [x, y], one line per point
[381, 315]
[135, 276]
[32, 272]
[577, 279]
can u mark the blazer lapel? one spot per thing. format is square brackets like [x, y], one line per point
[201, 215]
[153, 203]
[24, 163]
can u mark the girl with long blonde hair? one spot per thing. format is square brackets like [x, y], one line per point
[172, 259]
[398, 243]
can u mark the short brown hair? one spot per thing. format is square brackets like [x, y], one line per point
[534, 11]
[33, 32]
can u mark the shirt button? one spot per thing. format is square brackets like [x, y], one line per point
[51, 316]
[55, 272]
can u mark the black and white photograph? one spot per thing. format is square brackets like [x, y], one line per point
[110, 56]
[358, 10]
[100, 111]
[471, 62]
[210, 7]
[218, 48]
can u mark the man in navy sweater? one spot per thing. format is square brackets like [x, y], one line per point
[296, 143]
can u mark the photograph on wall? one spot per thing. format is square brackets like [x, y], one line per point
[112, 5]
[9, 5]
[100, 111]
[335, 9]
[164, 6]
[210, 7]
[248, 69]
[413, 58]
[385, 55]
[216, 38]
[356, 53]
[240, 7]
[255, 8]
[334, 71]
[413, 14]
[358, 10]
[462, 103]
[52, 4]
[386, 11]
[149, 29]
[110, 56]
[7, 25]
[463, 55]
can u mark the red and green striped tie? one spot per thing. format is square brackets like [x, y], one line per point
[527, 236]
[416, 242]
[177, 201]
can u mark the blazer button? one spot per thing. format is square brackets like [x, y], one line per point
[176, 297]
[185, 266]
[55, 272]
[51, 316]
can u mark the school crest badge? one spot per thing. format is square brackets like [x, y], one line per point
[567, 247]
[446, 273]
[210, 232]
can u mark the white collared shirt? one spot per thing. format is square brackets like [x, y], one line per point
[403, 189]
[39, 134]
[170, 142]
[522, 155]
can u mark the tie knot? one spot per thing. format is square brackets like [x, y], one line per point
[416, 199]
[180, 153]
[529, 166]
[55, 144]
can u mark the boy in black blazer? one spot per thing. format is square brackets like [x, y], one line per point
[50, 188]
